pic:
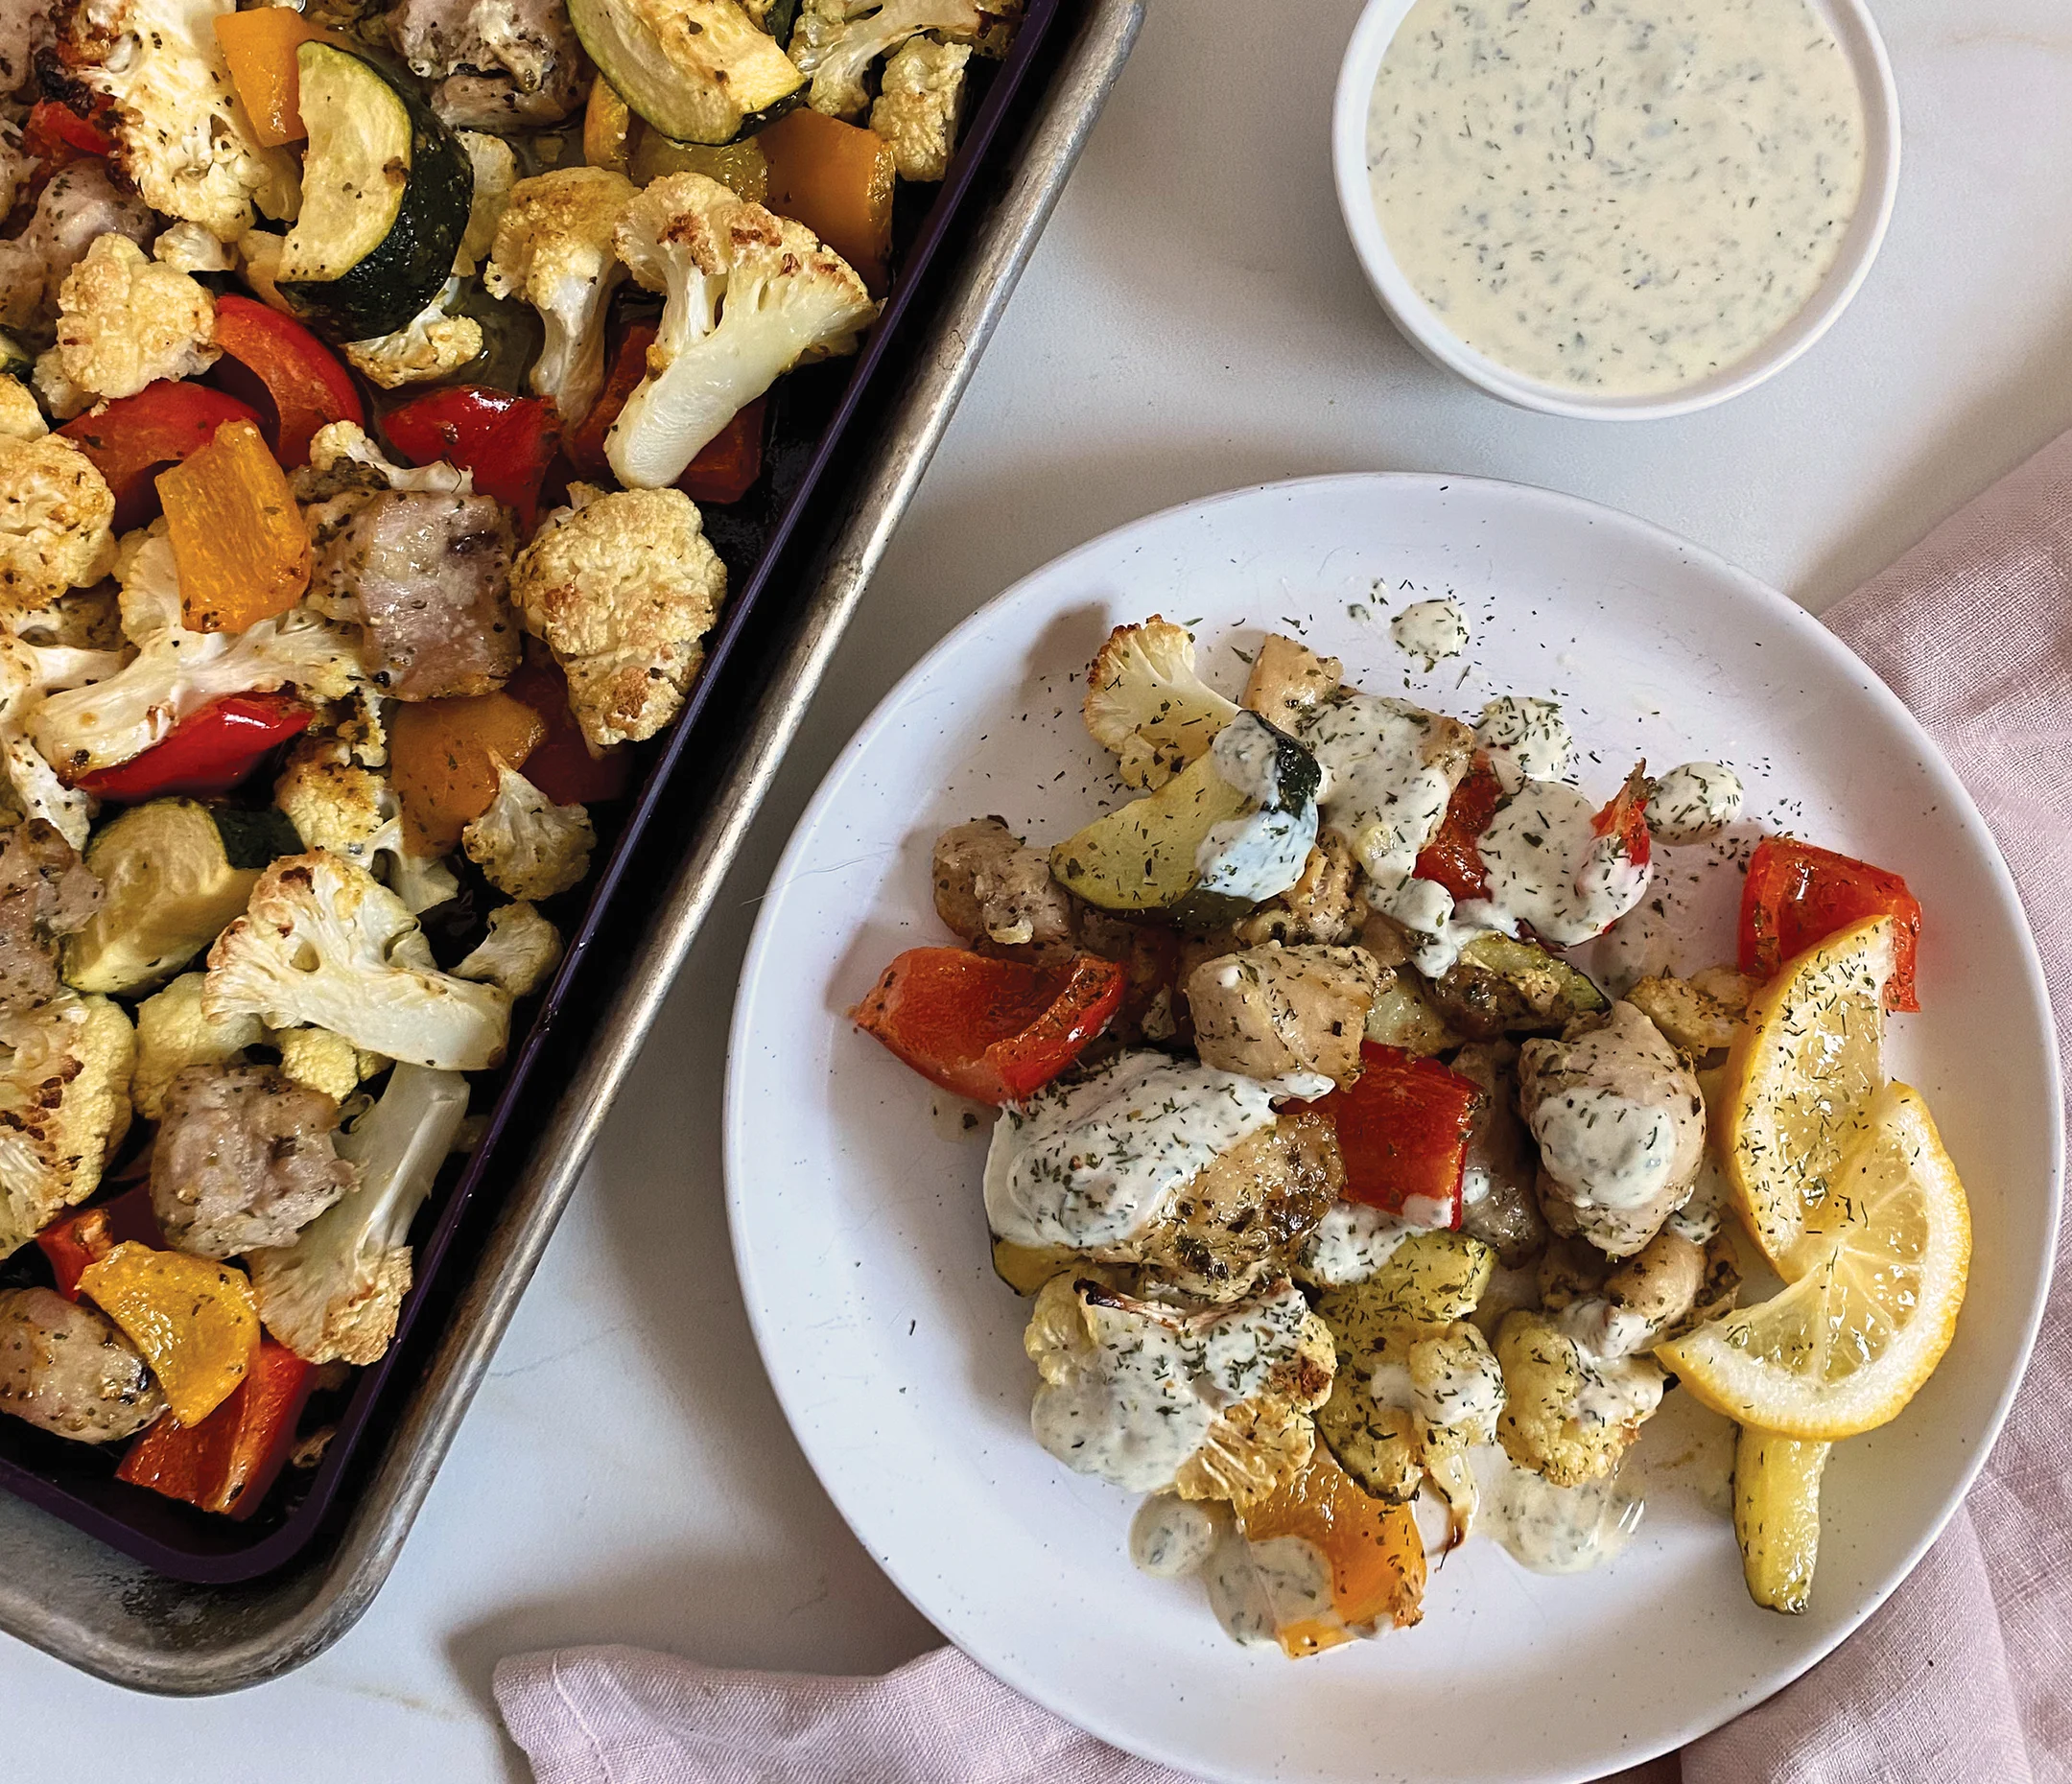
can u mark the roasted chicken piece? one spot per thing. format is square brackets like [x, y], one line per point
[1498, 1205]
[1622, 1309]
[991, 886]
[1620, 1125]
[1325, 904]
[1288, 681]
[68, 1371]
[46, 891]
[1246, 1214]
[1272, 1011]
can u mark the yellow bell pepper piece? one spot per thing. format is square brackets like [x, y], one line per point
[195, 1321]
[239, 541]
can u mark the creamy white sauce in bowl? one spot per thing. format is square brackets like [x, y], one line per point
[1617, 210]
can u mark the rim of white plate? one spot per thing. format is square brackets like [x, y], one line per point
[949, 1618]
[1423, 327]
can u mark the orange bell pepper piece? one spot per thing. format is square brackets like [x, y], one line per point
[439, 761]
[226, 1462]
[259, 49]
[838, 179]
[238, 538]
[1375, 1554]
[195, 1321]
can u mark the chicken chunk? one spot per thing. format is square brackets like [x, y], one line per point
[1568, 1415]
[991, 886]
[428, 575]
[500, 64]
[1246, 1214]
[1212, 1402]
[1271, 1011]
[46, 891]
[244, 1157]
[1498, 1205]
[1325, 904]
[68, 1371]
[1289, 680]
[1621, 1129]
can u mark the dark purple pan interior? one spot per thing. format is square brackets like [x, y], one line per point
[187, 1545]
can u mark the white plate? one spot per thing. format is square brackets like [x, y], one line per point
[862, 1244]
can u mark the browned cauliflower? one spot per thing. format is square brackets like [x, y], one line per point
[920, 101]
[624, 590]
[64, 1108]
[1144, 701]
[1568, 1415]
[55, 515]
[125, 321]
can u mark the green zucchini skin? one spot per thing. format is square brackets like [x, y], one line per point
[390, 286]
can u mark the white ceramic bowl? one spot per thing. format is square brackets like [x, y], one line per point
[1424, 328]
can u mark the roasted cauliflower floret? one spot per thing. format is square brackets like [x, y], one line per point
[79, 206]
[432, 345]
[552, 248]
[495, 166]
[176, 671]
[27, 673]
[1621, 1129]
[1144, 701]
[319, 1060]
[21, 419]
[179, 133]
[338, 804]
[836, 42]
[622, 590]
[189, 248]
[991, 885]
[1270, 1011]
[322, 943]
[55, 515]
[125, 321]
[519, 953]
[1566, 1414]
[64, 1108]
[748, 296]
[527, 845]
[334, 1294]
[173, 1032]
[1123, 1378]
[920, 102]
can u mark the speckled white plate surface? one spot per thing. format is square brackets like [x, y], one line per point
[855, 1212]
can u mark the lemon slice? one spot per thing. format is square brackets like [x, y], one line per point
[1873, 1286]
[1799, 1079]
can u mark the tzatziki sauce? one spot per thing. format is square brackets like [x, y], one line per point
[1386, 783]
[1431, 631]
[1619, 196]
[1531, 738]
[1171, 1538]
[1546, 864]
[1259, 855]
[1693, 803]
[1090, 1162]
[1350, 1244]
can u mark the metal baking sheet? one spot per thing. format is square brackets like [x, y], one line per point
[126, 1620]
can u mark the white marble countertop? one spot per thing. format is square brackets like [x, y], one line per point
[1194, 320]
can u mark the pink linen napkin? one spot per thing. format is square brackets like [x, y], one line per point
[1961, 1677]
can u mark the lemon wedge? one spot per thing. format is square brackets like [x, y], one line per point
[1873, 1286]
[1799, 1079]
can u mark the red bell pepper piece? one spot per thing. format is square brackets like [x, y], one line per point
[993, 1030]
[55, 136]
[1797, 895]
[227, 1462]
[208, 752]
[1625, 817]
[1453, 857]
[305, 380]
[1403, 1128]
[562, 765]
[506, 441]
[726, 466]
[88, 1234]
[135, 437]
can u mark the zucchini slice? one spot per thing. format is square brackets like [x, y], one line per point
[386, 189]
[1501, 986]
[700, 71]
